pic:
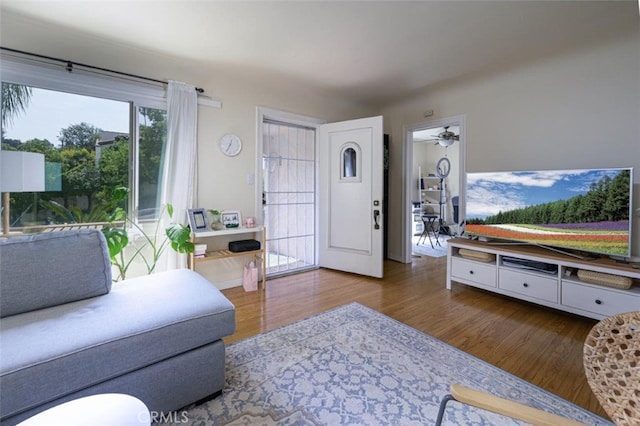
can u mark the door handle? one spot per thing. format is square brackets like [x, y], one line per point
[376, 215]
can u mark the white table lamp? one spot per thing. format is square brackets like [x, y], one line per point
[20, 172]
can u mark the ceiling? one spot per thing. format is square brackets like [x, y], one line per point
[370, 52]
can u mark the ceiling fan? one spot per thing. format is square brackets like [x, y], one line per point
[446, 138]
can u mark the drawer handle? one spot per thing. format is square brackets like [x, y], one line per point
[525, 285]
[471, 272]
[598, 302]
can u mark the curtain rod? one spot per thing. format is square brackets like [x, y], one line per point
[69, 67]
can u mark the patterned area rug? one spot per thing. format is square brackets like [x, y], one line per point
[353, 365]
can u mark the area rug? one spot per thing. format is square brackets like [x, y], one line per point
[425, 249]
[355, 366]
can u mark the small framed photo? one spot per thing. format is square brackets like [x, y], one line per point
[198, 220]
[231, 218]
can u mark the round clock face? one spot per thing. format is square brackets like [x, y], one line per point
[230, 145]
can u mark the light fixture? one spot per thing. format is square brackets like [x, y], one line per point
[20, 172]
[446, 142]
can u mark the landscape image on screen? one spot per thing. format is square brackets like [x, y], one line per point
[582, 210]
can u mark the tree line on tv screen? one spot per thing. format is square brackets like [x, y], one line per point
[606, 201]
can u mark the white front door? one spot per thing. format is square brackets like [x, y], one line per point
[350, 201]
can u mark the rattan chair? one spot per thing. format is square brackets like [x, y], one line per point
[612, 366]
[611, 361]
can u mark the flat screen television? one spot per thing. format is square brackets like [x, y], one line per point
[576, 211]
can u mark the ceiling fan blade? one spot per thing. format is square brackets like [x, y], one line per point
[448, 136]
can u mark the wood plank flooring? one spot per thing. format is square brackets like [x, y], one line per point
[540, 345]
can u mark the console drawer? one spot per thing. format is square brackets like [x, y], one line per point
[475, 272]
[601, 301]
[530, 285]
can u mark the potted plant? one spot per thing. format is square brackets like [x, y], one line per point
[176, 235]
[146, 246]
[216, 222]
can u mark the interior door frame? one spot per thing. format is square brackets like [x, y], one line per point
[458, 120]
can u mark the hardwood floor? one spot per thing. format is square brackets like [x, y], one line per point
[540, 345]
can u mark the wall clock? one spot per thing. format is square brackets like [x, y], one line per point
[230, 145]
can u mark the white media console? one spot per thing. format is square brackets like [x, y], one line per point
[555, 284]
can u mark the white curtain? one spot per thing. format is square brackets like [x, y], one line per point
[179, 174]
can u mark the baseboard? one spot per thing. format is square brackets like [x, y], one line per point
[223, 285]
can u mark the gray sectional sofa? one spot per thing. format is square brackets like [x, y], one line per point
[67, 332]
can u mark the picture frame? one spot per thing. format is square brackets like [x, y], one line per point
[231, 218]
[198, 221]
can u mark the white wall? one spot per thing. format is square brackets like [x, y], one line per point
[577, 109]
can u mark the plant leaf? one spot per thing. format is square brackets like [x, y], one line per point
[180, 237]
[120, 193]
[117, 240]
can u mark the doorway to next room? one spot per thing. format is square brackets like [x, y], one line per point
[435, 184]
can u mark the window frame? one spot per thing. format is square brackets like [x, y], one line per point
[52, 77]
[136, 93]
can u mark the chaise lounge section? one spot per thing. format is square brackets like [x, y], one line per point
[66, 332]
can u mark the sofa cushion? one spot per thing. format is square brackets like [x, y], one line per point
[53, 352]
[42, 270]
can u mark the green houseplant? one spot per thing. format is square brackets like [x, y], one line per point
[152, 245]
[147, 245]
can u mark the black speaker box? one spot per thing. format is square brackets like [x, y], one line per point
[244, 245]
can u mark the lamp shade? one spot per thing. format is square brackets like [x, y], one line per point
[21, 171]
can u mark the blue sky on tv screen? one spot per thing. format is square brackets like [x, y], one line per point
[492, 192]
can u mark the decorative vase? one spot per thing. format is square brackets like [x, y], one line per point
[216, 223]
